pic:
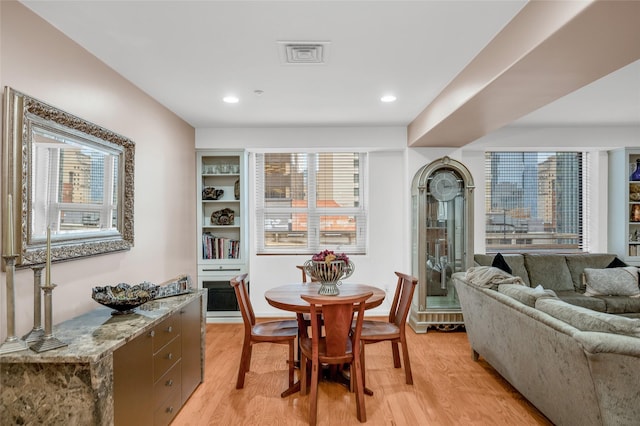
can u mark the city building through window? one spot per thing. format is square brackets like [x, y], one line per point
[311, 201]
[534, 201]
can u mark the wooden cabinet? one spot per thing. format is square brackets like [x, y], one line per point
[155, 373]
[222, 225]
[624, 206]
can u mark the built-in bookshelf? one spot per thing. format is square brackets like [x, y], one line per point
[624, 205]
[222, 226]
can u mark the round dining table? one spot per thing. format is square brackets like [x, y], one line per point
[287, 297]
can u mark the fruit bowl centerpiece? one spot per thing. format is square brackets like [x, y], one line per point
[329, 268]
[123, 297]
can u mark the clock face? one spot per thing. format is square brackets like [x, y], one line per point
[444, 186]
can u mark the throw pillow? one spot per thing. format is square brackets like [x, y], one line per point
[616, 263]
[577, 263]
[612, 282]
[500, 263]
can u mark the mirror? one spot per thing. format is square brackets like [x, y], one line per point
[64, 174]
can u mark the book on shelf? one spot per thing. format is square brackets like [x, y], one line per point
[214, 247]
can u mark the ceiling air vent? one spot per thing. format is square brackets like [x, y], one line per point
[307, 52]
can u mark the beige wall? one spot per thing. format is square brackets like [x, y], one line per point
[38, 60]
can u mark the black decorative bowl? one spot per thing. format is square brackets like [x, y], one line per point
[123, 297]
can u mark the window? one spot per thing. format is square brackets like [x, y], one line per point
[534, 201]
[310, 201]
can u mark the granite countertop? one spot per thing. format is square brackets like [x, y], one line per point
[97, 333]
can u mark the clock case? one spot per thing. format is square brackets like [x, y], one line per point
[442, 241]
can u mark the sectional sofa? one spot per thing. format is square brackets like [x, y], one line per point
[560, 347]
[565, 275]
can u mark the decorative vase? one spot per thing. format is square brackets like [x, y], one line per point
[636, 175]
[329, 274]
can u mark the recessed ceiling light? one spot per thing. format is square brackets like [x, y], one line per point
[388, 98]
[231, 99]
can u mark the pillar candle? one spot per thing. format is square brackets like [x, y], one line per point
[48, 265]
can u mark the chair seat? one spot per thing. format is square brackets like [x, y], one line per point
[379, 330]
[307, 350]
[275, 330]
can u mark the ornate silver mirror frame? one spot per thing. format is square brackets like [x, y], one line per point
[65, 174]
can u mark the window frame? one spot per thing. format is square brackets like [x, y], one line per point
[314, 213]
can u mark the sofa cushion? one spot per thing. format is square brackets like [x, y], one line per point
[612, 282]
[579, 299]
[548, 270]
[524, 294]
[515, 262]
[577, 263]
[587, 320]
[620, 304]
[630, 315]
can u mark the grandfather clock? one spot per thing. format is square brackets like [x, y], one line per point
[442, 242]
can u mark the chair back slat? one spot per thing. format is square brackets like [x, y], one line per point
[337, 319]
[402, 299]
[337, 315]
[239, 285]
[306, 278]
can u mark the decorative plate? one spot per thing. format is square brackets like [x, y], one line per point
[123, 297]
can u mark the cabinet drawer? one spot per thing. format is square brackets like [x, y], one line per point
[167, 384]
[168, 409]
[166, 357]
[164, 332]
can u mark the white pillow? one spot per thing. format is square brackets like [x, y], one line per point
[612, 282]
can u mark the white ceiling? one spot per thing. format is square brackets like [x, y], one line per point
[189, 54]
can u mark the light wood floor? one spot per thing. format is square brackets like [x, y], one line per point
[449, 388]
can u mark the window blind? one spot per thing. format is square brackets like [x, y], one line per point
[534, 201]
[310, 201]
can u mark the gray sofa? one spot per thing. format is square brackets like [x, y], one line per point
[564, 274]
[578, 366]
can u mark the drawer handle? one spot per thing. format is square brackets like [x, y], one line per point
[152, 333]
[169, 329]
[169, 383]
[170, 356]
[169, 410]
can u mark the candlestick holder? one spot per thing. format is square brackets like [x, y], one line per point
[48, 341]
[37, 332]
[11, 343]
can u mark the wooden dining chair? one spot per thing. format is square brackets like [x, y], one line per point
[280, 332]
[393, 330]
[306, 278]
[338, 345]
